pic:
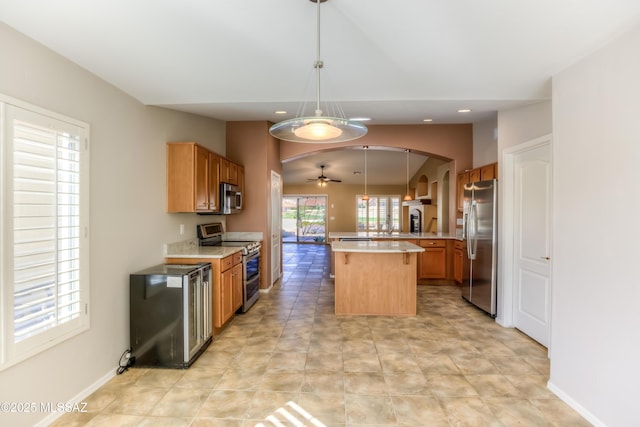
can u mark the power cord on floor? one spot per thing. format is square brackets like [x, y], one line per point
[126, 361]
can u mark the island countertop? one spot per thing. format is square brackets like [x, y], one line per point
[385, 246]
[392, 236]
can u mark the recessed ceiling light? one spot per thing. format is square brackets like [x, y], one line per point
[427, 120]
[281, 112]
[360, 119]
[464, 110]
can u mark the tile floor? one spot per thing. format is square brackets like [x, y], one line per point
[290, 361]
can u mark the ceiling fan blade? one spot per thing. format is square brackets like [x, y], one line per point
[322, 178]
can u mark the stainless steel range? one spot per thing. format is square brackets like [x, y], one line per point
[212, 235]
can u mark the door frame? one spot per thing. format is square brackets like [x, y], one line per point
[276, 235]
[506, 231]
[326, 214]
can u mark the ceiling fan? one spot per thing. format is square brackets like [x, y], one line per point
[323, 180]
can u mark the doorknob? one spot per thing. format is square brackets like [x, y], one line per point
[545, 257]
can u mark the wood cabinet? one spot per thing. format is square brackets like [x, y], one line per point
[230, 289]
[236, 287]
[489, 172]
[482, 173]
[433, 261]
[229, 172]
[214, 182]
[474, 175]
[460, 261]
[462, 180]
[227, 284]
[192, 178]
[194, 175]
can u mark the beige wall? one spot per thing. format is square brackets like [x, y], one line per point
[128, 222]
[250, 144]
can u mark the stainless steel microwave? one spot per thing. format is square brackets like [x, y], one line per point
[230, 199]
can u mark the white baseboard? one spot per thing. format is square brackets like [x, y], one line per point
[79, 397]
[575, 405]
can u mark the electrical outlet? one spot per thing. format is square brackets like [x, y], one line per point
[181, 229]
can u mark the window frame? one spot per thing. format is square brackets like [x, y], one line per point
[12, 352]
[391, 198]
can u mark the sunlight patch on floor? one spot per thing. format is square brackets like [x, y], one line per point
[292, 416]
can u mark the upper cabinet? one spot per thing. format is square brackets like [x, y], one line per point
[193, 178]
[461, 181]
[229, 172]
[482, 173]
[489, 172]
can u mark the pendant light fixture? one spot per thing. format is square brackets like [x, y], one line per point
[407, 196]
[366, 195]
[318, 128]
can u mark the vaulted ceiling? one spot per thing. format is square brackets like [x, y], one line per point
[396, 62]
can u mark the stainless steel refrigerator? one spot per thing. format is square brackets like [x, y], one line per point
[480, 233]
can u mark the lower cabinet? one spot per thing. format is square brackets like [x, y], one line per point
[236, 287]
[433, 261]
[227, 284]
[460, 262]
[230, 290]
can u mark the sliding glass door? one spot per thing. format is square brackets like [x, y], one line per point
[304, 219]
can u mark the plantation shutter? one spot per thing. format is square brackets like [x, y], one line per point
[374, 214]
[46, 224]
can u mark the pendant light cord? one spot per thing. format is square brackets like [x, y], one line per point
[318, 64]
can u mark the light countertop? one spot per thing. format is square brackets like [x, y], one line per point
[395, 235]
[190, 249]
[390, 246]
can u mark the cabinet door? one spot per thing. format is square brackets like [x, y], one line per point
[474, 175]
[214, 182]
[488, 172]
[201, 177]
[181, 179]
[433, 261]
[237, 286]
[233, 173]
[227, 295]
[224, 170]
[462, 180]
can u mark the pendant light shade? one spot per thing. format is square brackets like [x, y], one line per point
[318, 128]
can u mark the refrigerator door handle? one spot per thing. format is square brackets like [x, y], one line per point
[472, 230]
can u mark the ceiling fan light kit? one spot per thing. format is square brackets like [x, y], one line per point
[322, 179]
[318, 129]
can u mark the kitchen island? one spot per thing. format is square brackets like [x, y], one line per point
[375, 277]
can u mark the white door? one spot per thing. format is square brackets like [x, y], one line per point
[532, 242]
[276, 227]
